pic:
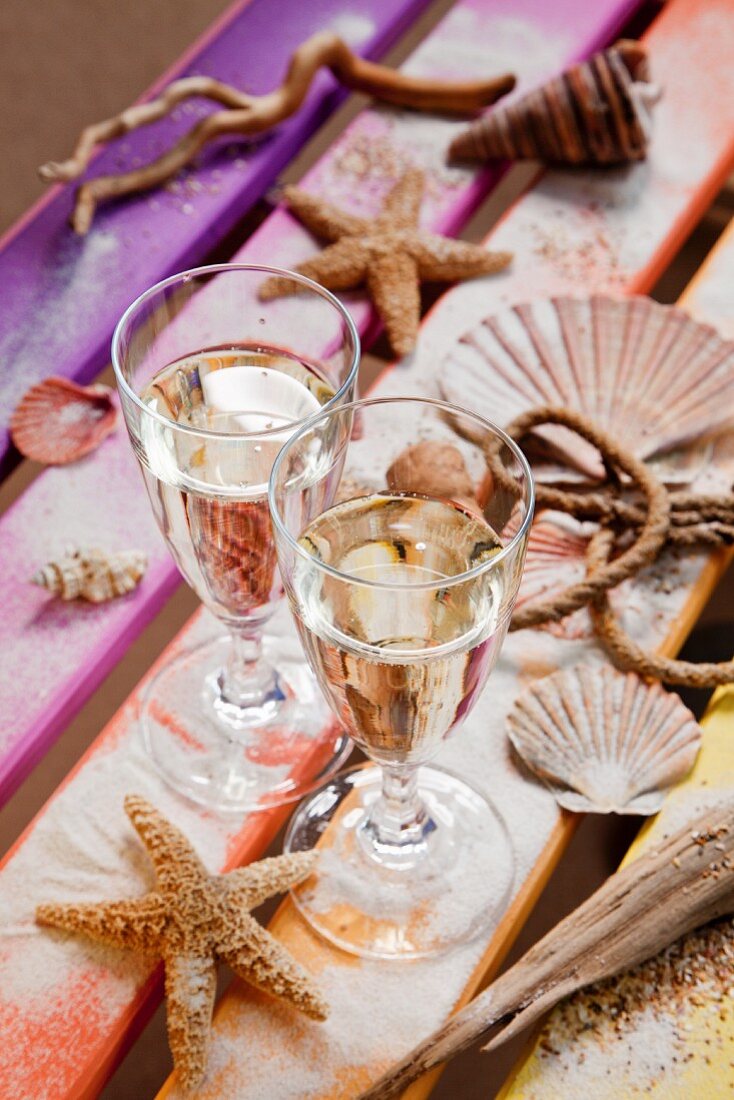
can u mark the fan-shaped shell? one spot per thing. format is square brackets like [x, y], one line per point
[58, 421]
[556, 559]
[92, 574]
[596, 112]
[647, 373]
[604, 741]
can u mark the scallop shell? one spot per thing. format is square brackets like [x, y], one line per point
[92, 574]
[647, 373]
[604, 741]
[596, 112]
[556, 559]
[58, 421]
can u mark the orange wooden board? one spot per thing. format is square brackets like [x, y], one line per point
[573, 231]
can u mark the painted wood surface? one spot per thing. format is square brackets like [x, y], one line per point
[704, 1056]
[58, 654]
[81, 1004]
[671, 1036]
[63, 295]
[380, 1010]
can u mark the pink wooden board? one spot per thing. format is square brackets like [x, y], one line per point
[62, 295]
[79, 845]
[57, 655]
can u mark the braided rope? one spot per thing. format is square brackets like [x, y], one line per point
[656, 519]
[627, 654]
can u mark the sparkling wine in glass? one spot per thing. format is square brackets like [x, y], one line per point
[402, 594]
[212, 383]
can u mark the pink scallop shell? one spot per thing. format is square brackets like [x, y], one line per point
[648, 373]
[556, 558]
[58, 421]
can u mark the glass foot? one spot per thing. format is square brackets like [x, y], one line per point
[455, 887]
[235, 759]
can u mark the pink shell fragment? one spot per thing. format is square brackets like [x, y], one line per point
[58, 421]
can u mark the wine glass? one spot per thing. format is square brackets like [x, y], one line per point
[212, 382]
[402, 592]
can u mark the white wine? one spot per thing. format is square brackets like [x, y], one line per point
[208, 486]
[401, 666]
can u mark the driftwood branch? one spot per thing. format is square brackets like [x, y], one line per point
[687, 881]
[245, 114]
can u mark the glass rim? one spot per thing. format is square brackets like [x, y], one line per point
[211, 269]
[445, 582]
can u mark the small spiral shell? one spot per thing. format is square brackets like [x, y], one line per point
[92, 574]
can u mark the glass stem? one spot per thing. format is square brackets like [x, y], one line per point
[397, 826]
[246, 680]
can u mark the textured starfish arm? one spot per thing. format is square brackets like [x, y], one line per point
[445, 260]
[323, 219]
[172, 856]
[136, 924]
[190, 987]
[251, 886]
[341, 266]
[402, 206]
[392, 282]
[264, 963]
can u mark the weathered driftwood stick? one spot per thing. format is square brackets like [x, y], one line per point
[685, 882]
[246, 114]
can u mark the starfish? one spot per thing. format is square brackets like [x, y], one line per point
[390, 254]
[192, 919]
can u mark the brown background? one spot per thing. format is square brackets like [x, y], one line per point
[64, 63]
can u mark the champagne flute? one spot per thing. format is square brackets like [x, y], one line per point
[402, 592]
[212, 383]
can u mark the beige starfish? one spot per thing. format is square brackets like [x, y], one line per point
[190, 921]
[390, 254]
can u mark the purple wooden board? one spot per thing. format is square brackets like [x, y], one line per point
[56, 655]
[62, 295]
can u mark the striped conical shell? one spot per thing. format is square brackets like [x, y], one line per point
[596, 112]
[235, 551]
[603, 740]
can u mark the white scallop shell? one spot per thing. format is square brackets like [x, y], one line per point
[647, 373]
[92, 574]
[604, 741]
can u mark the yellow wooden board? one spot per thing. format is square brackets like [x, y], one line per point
[666, 1029]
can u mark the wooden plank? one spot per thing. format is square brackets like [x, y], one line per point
[56, 654]
[62, 295]
[66, 1013]
[685, 1021]
[379, 1010]
[708, 298]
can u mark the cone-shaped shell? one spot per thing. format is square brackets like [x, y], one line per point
[92, 574]
[648, 374]
[596, 112]
[58, 421]
[236, 552]
[604, 741]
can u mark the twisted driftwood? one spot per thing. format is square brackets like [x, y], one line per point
[686, 882]
[246, 114]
